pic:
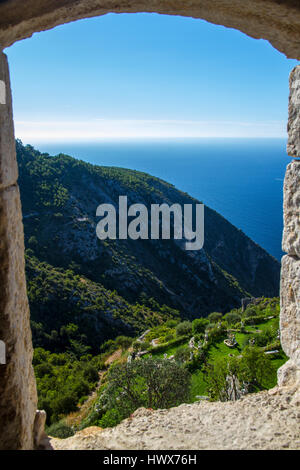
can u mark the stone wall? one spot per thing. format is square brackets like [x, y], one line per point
[18, 399]
[278, 21]
[289, 374]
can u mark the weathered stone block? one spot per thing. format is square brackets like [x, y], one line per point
[291, 210]
[8, 163]
[18, 399]
[290, 307]
[289, 374]
[293, 145]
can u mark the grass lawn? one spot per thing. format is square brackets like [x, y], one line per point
[220, 350]
[169, 351]
[198, 385]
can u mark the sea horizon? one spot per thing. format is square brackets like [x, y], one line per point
[241, 178]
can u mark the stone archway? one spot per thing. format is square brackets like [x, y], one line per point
[278, 21]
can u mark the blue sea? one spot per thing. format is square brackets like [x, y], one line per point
[242, 179]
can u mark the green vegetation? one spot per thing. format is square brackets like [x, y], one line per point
[71, 313]
[215, 370]
[62, 380]
[90, 300]
[159, 281]
[60, 429]
[151, 383]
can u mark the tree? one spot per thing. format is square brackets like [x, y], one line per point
[151, 383]
[199, 325]
[124, 342]
[227, 376]
[184, 328]
[256, 367]
[222, 378]
[215, 316]
[232, 318]
[182, 354]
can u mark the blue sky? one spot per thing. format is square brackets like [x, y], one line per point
[147, 75]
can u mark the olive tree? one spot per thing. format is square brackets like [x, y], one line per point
[151, 383]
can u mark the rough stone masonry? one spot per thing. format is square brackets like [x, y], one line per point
[274, 20]
[18, 398]
[290, 266]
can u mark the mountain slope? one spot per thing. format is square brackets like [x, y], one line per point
[59, 199]
[69, 311]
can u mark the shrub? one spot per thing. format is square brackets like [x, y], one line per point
[182, 354]
[216, 375]
[184, 328]
[232, 318]
[110, 419]
[256, 367]
[253, 367]
[171, 323]
[199, 325]
[250, 312]
[60, 430]
[168, 338]
[123, 342]
[214, 317]
[109, 346]
[265, 337]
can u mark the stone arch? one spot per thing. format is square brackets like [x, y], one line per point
[278, 21]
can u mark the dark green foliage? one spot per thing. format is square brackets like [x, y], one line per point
[250, 312]
[60, 430]
[253, 368]
[256, 367]
[70, 312]
[184, 328]
[84, 293]
[151, 383]
[199, 325]
[123, 342]
[59, 200]
[215, 317]
[62, 380]
[111, 418]
[267, 336]
[182, 354]
[232, 318]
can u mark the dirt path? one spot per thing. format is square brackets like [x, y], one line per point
[74, 419]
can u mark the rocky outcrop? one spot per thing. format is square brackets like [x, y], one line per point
[293, 127]
[278, 21]
[290, 266]
[291, 205]
[18, 399]
[267, 420]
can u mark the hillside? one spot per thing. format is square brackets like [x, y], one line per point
[59, 199]
[195, 353]
[68, 310]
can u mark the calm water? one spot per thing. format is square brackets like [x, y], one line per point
[240, 178]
